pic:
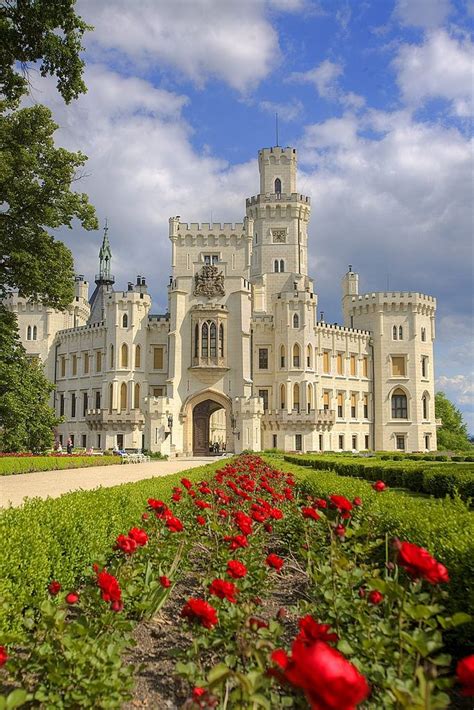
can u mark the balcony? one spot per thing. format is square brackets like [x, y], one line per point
[102, 418]
[302, 418]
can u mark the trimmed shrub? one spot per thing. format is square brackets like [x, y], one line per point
[10, 465]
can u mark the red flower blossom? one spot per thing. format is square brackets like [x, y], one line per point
[145, 516]
[198, 693]
[202, 504]
[329, 681]
[236, 541]
[126, 544]
[224, 590]
[274, 561]
[139, 535]
[268, 527]
[256, 623]
[54, 587]
[201, 519]
[321, 503]
[110, 589]
[310, 513]
[465, 675]
[72, 598]
[341, 503]
[200, 611]
[420, 564]
[236, 569]
[165, 581]
[259, 516]
[276, 513]
[357, 501]
[243, 522]
[375, 597]
[157, 505]
[340, 530]
[186, 483]
[174, 524]
[311, 631]
[3, 655]
[176, 497]
[379, 486]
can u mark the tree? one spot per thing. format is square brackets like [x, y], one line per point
[26, 419]
[452, 435]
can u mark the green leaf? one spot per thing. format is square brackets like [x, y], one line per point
[17, 698]
[217, 673]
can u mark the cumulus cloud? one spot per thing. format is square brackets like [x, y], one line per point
[461, 385]
[324, 77]
[289, 111]
[198, 39]
[441, 67]
[422, 13]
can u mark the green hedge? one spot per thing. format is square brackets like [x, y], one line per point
[60, 538]
[438, 479]
[444, 527]
[28, 464]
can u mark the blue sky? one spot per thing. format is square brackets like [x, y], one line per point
[376, 96]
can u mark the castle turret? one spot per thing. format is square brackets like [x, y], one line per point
[104, 280]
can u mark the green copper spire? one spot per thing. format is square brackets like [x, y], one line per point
[105, 256]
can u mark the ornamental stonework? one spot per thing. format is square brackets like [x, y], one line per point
[279, 236]
[209, 282]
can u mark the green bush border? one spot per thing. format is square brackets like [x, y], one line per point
[10, 466]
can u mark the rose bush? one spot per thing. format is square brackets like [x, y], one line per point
[369, 611]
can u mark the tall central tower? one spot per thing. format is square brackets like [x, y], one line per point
[280, 217]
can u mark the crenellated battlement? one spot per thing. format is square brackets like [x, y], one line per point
[277, 153]
[392, 301]
[205, 229]
[326, 328]
[81, 329]
[277, 198]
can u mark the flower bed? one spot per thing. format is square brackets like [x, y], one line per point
[10, 465]
[438, 479]
[360, 632]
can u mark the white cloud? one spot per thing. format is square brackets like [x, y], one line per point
[324, 77]
[462, 386]
[199, 39]
[441, 67]
[422, 13]
[286, 111]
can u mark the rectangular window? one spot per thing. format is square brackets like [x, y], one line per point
[321, 446]
[353, 406]
[157, 358]
[72, 439]
[423, 334]
[263, 358]
[326, 401]
[398, 366]
[74, 365]
[341, 442]
[353, 365]
[400, 443]
[427, 442]
[326, 368]
[340, 405]
[340, 364]
[365, 367]
[282, 361]
[275, 441]
[97, 399]
[211, 259]
[298, 442]
[158, 391]
[424, 366]
[86, 363]
[61, 405]
[366, 442]
[84, 440]
[85, 402]
[120, 442]
[63, 366]
[366, 407]
[73, 405]
[98, 440]
[98, 361]
[264, 395]
[354, 443]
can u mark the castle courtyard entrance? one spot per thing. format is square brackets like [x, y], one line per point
[209, 428]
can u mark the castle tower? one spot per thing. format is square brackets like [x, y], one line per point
[280, 218]
[104, 280]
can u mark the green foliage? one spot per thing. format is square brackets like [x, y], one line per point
[26, 419]
[452, 435]
[44, 31]
[14, 465]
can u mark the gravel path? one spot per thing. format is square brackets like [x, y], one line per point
[13, 489]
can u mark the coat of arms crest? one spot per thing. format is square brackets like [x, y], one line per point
[209, 282]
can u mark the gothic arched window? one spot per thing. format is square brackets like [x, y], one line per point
[399, 405]
[111, 397]
[282, 396]
[296, 355]
[296, 397]
[124, 356]
[309, 356]
[196, 340]
[424, 402]
[213, 340]
[136, 396]
[394, 332]
[400, 333]
[275, 266]
[124, 321]
[282, 266]
[35, 332]
[205, 340]
[278, 186]
[221, 340]
[28, 332]
[282, 356]
[111, 356]
[296, 320]
[123, 396]
[138, 356]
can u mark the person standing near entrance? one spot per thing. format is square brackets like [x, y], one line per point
[69, 446]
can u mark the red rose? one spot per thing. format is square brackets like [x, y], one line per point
[329, 681]
[310, 513]
[176, 497]
[236, 569]
[109, 587]
[311, 631]
[139, 535]
[357, 501]
[243, 522]
[420, 564]
[117, 606]
[274, 561]
[126, 544]
[268, 527]
[200, 611]
[379, 486]
[186, 483]
[224, 590]
[465, 675]
[236, 541]
[340, 530]
[54, 587]
[202, 504]
[375, 597]
[165, 581]
[72, 598]
[341, 503]
[321, 503]
[276, 514]
[3, 655]
[201, 520]
[174, 524]
[256, 623]
[156, 504]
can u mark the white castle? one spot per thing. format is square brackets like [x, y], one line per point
[240, 359]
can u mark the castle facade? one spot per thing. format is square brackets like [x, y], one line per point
[240, 360]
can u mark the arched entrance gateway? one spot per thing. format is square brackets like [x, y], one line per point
[207, 426]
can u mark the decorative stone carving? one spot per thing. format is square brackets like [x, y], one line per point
[209, 282]
[279, 236]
